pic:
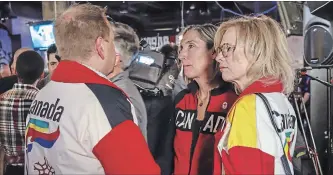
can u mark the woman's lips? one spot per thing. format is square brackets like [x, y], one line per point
[221, 67]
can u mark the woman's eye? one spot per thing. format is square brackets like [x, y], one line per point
[191, 46]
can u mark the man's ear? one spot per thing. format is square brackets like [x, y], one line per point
[99, 47]
[118, 60]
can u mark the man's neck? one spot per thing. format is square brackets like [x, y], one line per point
[115, 72]
[206, 85]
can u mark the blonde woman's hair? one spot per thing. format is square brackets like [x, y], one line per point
[265, 45]
[207, 33]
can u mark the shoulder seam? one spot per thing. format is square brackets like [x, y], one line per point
[181, 95]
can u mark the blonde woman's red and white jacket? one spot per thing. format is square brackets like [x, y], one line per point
[81, 123]
[249, 142]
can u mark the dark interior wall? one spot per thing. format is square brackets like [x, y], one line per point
[27, 9]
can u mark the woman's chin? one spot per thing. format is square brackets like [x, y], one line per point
[227, 78]
[189, 75]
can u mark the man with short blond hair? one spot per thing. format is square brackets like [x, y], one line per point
[81, 123]
[92, 26]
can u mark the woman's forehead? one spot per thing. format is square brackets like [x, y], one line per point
[230, 36]
[191, 36]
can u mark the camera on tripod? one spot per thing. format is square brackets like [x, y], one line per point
[152, 71]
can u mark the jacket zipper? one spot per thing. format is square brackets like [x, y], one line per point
[200, 126]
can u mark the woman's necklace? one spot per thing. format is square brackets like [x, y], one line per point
[201, 100]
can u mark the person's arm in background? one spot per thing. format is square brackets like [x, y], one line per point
[116, 140]
[245, 154]
[140, 111]
[306, 90]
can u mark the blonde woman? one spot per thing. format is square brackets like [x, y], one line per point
[253, 55]
[200, 109]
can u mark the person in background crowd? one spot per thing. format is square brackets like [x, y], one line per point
[199, 109]
[53, 61]
[171, 70]
[252, 53]
[304, 88]
[90, 126]
[8, 82]
[159, 107]
[16, 54]
[4, 70]
[14, 108]
[126, 45]
[53, 58]
[180, 83]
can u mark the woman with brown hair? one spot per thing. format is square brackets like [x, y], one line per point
[260, 131]
[200, 109]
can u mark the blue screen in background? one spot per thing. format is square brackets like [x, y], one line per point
[42, 35]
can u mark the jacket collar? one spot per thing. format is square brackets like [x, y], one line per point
[74, 72]
[24, 86]
[260, 87]
[193, 87]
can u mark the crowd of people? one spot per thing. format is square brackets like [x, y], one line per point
[228, 112]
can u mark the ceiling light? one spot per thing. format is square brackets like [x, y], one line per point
[163, 29]
[192, 7]
[123, 11]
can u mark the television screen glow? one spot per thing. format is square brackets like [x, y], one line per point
[146, 60]
[42, 35]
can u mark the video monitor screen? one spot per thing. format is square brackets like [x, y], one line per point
[146, 60]
[42, 35]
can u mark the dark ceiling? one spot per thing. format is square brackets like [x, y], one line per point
[150, 17]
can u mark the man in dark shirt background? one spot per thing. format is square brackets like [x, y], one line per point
[53, 61]
[304, 88]
[14, 108]
[4, 70]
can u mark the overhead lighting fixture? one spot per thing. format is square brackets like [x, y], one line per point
[163, 29]
[123, 11]
[192, 7]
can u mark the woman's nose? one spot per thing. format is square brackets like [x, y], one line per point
[182, 56]
[219, 58]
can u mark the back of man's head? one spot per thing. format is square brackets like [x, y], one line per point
[126, 42]
[14, 60]
[29, 67]
[170, 52]
[77, 29]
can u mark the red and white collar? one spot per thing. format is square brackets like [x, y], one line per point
[259, 86]
[74, 72]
